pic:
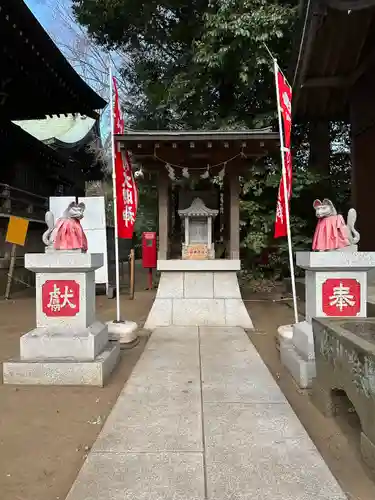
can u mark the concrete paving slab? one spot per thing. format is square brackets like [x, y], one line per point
[179, 347]
[174, 333]
[236, 347]
[233, 371]
[288, 470]
[162, 388]
[236, 358]
[176, 360]
[232, 427]
[132, 427]
[233, 331]
[172, 348]
[239, 385]
[133, 476]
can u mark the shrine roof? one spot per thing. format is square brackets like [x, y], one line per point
[36, 79]
[335, 47]
[16, 143]
[61, 131]
[198, 209]
[132, 136]
[195, 149]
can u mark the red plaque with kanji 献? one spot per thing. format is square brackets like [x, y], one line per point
[341, 297]
[60, 298]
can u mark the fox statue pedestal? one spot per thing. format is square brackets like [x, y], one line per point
[336, 286]
[68, 346]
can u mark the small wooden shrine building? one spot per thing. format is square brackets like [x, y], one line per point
[199, 156]
[334, 80]
[198, 288]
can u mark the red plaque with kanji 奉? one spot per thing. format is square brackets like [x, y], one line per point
[60, 298]
[341, 297]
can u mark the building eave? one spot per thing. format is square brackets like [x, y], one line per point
[37, 80]
[197, 135]
[334, 51]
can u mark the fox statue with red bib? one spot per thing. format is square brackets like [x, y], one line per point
[67, 233]
[331, 232]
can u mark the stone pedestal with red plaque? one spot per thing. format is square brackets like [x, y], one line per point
[336, 287]
[68, 346]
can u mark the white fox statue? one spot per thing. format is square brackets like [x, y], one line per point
[331, 232]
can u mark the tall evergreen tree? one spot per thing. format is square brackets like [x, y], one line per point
[198, 64]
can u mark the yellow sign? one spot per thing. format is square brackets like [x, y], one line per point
[17, 230]
[197, 252]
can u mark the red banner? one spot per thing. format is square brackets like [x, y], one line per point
[126, 189]
[284, 93]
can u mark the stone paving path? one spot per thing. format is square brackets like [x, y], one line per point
[202, 418]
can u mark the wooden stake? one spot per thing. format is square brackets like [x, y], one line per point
[12, 265]
[132, 273]
[150, 279]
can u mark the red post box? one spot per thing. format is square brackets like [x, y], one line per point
[149, 250]
[149, 254]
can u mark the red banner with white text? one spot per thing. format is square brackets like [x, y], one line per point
[126, 189]
[285, 100]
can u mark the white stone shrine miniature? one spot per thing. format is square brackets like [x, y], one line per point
[198, 221]
[331, 232]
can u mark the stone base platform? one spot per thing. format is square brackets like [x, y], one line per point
[42, 344]
[63, 371]
[198, 298]
[298, 354]
[301, 370]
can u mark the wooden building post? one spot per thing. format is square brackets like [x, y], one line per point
[362, 119]
[234, 210]
[363, 182]
[226, 214]
[177, 218]
[320, 147]
[163, 205]
[170, 210]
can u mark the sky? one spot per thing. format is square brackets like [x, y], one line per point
[41, 11]
[59, 24]
[44, 14]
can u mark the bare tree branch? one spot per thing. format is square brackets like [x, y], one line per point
[90, 60]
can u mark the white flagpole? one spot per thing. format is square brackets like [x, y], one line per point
[291, 262]
[117, 262]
